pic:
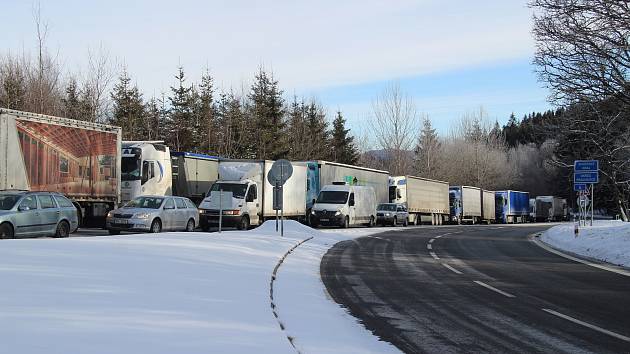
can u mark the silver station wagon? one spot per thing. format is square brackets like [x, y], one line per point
[154, 214]
[32, 214]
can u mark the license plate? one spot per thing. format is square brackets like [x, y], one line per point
[121, 221]
[324, 220]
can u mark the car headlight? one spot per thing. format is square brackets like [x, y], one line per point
[110, 214]
[388, 214]
[312, 212]
[337, 213]
[142, 215]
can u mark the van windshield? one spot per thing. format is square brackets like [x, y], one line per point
[332, 197]
[8, 201]
[238, 189]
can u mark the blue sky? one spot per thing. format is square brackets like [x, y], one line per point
[451, 57]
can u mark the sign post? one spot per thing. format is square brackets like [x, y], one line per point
[280, 172]
[585, 173]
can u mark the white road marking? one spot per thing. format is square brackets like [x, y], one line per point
[493, 288]
[379, 238]
[452, 269]
[429, 247]
[434, 255]
[431, 240]
[593, 327]
[583, 261]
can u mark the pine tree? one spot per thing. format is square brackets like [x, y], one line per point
[13, 91]
[342, 143]
[180, 125]
[426, 152]
[267, 116]
[296, 130]
[318, 142]
[128, 111]
[206, 127]
[71, 101]
[511, 131]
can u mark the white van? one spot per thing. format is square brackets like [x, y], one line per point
[344, 205]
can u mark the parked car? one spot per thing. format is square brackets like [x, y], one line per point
[31, 214]
[153, 214]
[392, 214]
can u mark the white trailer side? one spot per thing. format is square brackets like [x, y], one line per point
[330, 172]
[488, 206]
[423, 197]
[193, 174]
[471, 202]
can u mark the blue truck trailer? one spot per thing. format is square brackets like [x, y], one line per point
[511, 206]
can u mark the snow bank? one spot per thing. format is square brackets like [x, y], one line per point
[172, 293]
[607, 241]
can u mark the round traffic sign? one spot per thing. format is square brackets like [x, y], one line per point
[280, 172]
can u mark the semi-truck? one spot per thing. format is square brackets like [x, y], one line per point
[550, 208]
[76, 158]
[511, 206]
[150, 168]
[425, 198]
[252, 195]
[465, 204]
[324, 173]
[488, 209]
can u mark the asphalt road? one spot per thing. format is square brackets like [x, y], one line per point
[484, 289]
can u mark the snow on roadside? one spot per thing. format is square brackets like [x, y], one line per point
[165, 293]
[607, 241]
[315, 322]
[174, 293]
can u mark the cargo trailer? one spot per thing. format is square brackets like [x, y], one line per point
[193, 174]
[488, 209]
[465, 204]
[426, 199]
[550, 208]
[512, 206]
[78, 159]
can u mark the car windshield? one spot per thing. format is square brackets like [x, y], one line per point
[386, 207]
[130, 168]
[332, 197]
[145, 202]
[238, 189]
[8, 201]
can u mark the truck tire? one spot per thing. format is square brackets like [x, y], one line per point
[190, 225]
[346, 222]
[406, 222]
[371, 223]
[6, 231]
[244, 223]
[156, 226]
[63, 229]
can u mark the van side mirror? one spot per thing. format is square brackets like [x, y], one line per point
[398, 194]
[351, 202]
[250, 198]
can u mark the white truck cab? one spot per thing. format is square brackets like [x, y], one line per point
[344, 205]
[145, 169]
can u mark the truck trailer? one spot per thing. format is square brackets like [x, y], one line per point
[465, 204]
[424, 198]
[511, 206]
[325, 173]
[151, 168]
[252, 195]
[78, 159]
[488, 209]
[550, 208]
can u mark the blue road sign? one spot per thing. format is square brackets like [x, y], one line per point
[578, 187]
[586, 177]
[586, 166]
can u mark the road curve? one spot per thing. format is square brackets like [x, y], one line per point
[485, 289]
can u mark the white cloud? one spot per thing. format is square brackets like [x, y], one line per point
[307, 44]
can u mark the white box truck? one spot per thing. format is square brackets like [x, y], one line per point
[344, 205]
[78, 159]
[252, 194]
[465, 204]
[488, 209]
[424, 198]
[550, 208]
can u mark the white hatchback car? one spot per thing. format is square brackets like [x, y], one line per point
[154, 214]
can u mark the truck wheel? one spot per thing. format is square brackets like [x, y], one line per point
[156, 226]
[6, 230]
[244, 223]
[371, 223]
[190, 226]
[63, 230]
[346, 222]
[406, 223]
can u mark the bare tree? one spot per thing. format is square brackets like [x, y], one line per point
[582, 48]
[394, 123]
[98, 82]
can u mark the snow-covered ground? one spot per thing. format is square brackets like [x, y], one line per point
[608, 241]
[174, 293]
